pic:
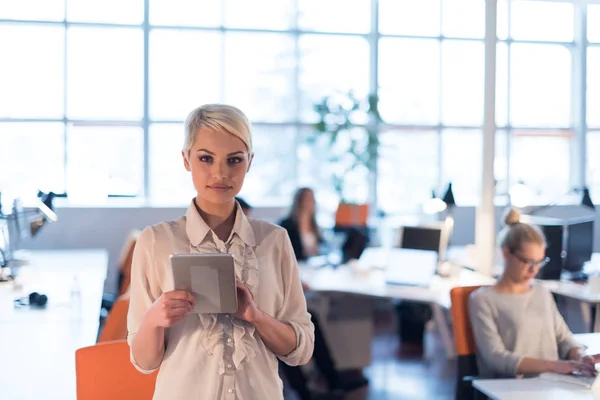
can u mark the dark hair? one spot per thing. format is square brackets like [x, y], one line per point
[516, 233]
[245, 206]
[297, 209]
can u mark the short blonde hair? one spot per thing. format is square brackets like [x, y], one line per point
[517, 233]
[221, 118]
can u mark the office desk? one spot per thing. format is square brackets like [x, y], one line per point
[538, 389]
[580, 292]
[37, 357]
[371, 282]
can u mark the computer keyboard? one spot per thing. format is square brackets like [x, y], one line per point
[579, 380]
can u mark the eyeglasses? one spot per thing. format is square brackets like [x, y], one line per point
[531, 263]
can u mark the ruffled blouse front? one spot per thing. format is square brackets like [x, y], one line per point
[246, 270]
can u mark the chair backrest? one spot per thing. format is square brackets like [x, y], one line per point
[126, 261]
[115, 327]
[464, 343]
[103, 371]
[351, 215]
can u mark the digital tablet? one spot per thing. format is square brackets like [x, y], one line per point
[210, 278]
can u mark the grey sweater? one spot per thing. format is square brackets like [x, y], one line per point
[510, 327]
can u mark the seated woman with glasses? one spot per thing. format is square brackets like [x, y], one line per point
[516, 325]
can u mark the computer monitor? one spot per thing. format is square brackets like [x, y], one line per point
[431, 238]
[569, 245]
[579, 245]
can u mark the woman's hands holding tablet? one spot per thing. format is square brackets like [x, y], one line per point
[170, 308]
[247, 309]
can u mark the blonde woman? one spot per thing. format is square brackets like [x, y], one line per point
[218, 356]
[516, 325]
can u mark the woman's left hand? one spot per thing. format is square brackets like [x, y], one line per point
[247, 309]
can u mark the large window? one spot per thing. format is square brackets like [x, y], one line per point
[89, 89]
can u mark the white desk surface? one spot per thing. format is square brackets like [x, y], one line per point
[364, 280]
[37, 357]
[578, 291]
[538, 389]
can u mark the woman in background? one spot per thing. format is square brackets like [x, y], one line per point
[517, 327]
[301, 225]
[306, 239]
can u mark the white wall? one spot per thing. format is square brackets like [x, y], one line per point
[108, 227]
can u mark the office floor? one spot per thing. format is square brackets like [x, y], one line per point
[393, 377]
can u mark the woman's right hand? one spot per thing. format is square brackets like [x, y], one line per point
[170, 308]
[567, 367]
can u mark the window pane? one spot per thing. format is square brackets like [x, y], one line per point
[409, 80]
[272, 176]
[104, 160]
[321, 167]
[33, 10]
[105, 73]
[409, 17]
[252, 14]
[545, 172]
[533, 101]
[462, 82]
[502, 20]
[170, 183]
[461, 164]
[593, 163]
[324, 68]
[593, 87]
[327, 16]
[185, 12]
[407, 170]
[259, 75]
[109, 11]
[32, 71]
[501, 84]
[541, 20]
[180, 79]
[593, 24]
[463, 18]
[32, 158]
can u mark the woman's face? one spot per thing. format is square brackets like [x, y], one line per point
[218, 163]
[308, 202]
[523, 264]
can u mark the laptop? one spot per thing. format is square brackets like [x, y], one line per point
[407, 267]
[588, 382]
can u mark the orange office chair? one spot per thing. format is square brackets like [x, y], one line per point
[464, 343]
[351, 215]
[103, 371]
[115, 326]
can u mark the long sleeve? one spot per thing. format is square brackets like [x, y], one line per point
[293, 310]
[490, 347]
[145, 288]
[564, 337]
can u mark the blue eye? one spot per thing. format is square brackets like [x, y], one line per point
[205, 158]
[234, 160]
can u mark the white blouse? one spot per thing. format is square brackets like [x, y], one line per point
[216, 356]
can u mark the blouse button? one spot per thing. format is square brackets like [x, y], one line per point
[228, 365]
[228, 340]
[229, 390]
